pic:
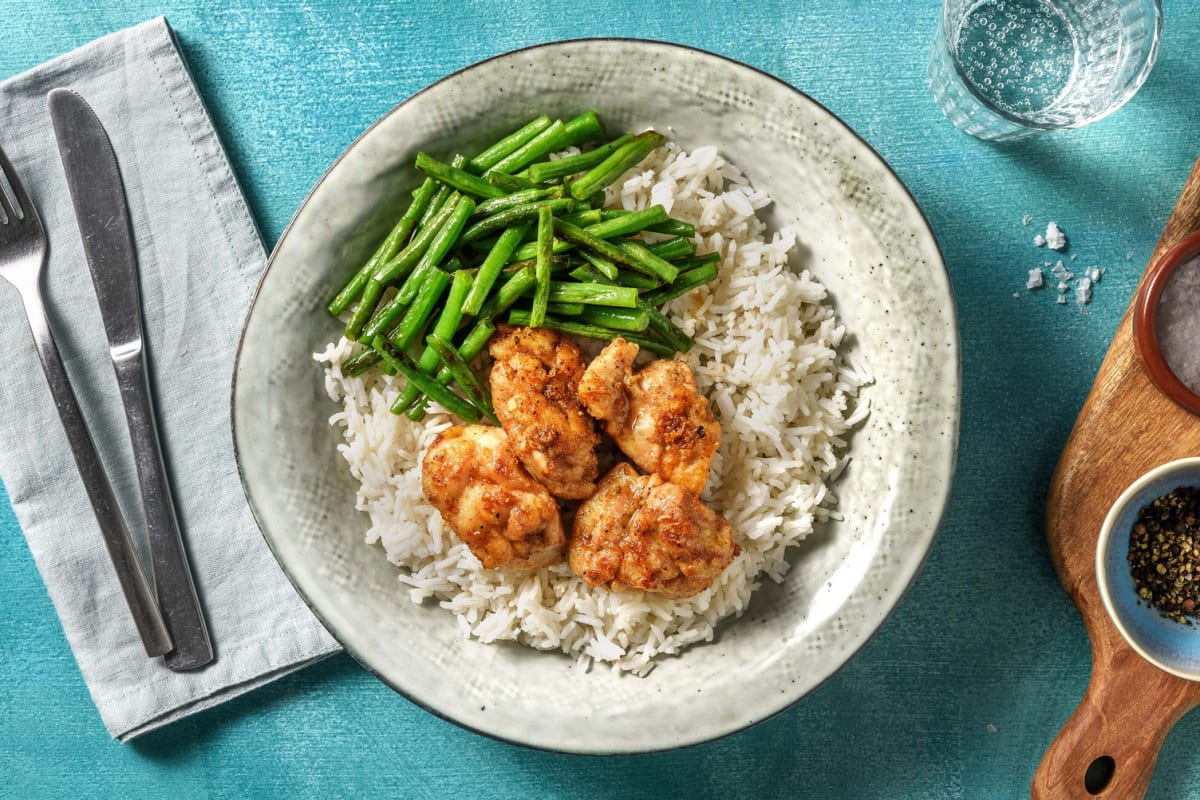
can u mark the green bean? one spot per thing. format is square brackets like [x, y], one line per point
[686, 282]
[589, 274]
[513, 215]
[565, 309]
[443, 240]
[513, 289]
[626, 224]
[507, 183]
[519, 316]
[557, 264]
[583, 217]
[586, 273]
[402, 263]
[628, 253]
[569, 165]
[394, 269]
[597, 230]
[460, 179]
[544, 143]
[490, 269]
[667, 330]
[443, 192]
[637, 280]
[621, 319]
[672, 248]
[488, 158]
[541, 269]
[436, 391]
[359, 363]
[391, 243]
[446, 325]
[599, 263]
[489, 207]
[472, 345]
[671, 227]
[593, 294]
[613, 167]
[583, 128]
[708, 259]
[411, 262]
[463, 375]
[417, 314]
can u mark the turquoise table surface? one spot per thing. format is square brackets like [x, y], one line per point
[965, 686]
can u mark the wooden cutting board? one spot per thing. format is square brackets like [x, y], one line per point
[1127, 426]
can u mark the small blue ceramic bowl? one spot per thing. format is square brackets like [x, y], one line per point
[1169, 645]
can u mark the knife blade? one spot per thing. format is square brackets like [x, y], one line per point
[101, 211]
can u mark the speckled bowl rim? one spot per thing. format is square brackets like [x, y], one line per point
[952, 454]
[1102, 579]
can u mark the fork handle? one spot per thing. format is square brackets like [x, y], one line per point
[172, 576]
[138, 594]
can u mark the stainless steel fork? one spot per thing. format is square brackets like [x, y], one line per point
[22, 258]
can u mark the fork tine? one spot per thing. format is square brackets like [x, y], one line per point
[22, 198]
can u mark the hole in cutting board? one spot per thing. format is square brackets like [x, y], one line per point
[1099, 774]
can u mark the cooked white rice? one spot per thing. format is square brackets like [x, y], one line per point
[765, 356]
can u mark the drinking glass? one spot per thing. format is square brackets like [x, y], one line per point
[1007, 69]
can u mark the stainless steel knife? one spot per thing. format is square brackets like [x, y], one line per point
[98, 195]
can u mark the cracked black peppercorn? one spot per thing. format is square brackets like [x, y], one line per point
[1164, 554]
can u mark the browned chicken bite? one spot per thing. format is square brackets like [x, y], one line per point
[656, 415]
[507, 518]
[642, 533]
[535, 380]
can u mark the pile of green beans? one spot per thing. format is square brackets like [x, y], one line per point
[511, 235]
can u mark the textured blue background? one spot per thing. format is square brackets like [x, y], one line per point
[965, 686]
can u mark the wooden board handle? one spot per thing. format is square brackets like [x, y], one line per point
[1109, 746]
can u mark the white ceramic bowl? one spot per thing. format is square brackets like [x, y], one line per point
[863, 237]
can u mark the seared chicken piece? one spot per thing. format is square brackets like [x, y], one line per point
[642, 533]
[535, 380]
[656, 415]
[507, 518]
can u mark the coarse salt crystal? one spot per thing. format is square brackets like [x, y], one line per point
[1035, 279]
[1062, 300]
[1062, 287]
[1083, 291]
[1094, 274]
[1039, 240]
[1055, 238]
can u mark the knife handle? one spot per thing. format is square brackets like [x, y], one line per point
[172, 575]
[138, 595]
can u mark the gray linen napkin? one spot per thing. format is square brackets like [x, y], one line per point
[199, 256]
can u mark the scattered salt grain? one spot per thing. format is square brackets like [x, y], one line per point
[1035, 279]
[1028, 218]
[1055, 239]
[1094, 274]
[1083, 291]
[1062, 300]
[1039, 240]
[1062, 287]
